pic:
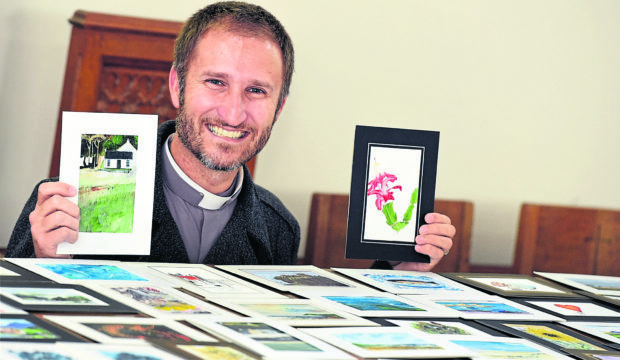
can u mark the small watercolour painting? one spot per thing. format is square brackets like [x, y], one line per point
[159, 301]
[30, 328]
[392, 195]
[270, 339]
[494, 308]
[576, 309]
[513, 285]
[439, 328]
[110, 160]
[597, 284]
[609, 331]
[508, 348]
[49, 296]
[594, 355]
[209, 282]
[387, 342]
[106, 194]
[411, 282]
[292, 277]
[382, 305]
[71, 271]
[295, 312]
[392, 188]
[129, 330]
[11, 329]
[546, 334]
[208, 351]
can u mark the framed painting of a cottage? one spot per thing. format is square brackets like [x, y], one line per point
[110, 160]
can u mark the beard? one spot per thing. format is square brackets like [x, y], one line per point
[188, 131]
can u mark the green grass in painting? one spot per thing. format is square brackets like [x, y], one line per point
[106, 201]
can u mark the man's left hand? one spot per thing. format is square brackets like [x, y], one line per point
[435, 240]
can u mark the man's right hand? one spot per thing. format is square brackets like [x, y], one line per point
[55, 219]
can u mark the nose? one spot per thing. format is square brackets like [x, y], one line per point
[232, 108]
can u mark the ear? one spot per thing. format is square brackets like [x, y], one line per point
[173, 86]
[275, 118]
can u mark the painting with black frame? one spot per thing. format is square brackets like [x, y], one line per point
[392, 188]
[53, 297]
[13, 272]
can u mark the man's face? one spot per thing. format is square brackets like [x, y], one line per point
[231, 92]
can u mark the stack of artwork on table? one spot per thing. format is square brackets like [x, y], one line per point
[92, 309]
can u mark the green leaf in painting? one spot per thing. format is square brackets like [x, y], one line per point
[390, 215]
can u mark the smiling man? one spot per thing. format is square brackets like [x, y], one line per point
[232, 69]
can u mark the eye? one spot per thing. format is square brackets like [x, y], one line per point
[255, 90]
[214, 82]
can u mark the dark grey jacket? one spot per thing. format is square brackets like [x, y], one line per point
[261, 230]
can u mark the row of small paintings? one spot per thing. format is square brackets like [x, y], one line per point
[151, 294]
[415, 338]
[327, 300]
[292, 278]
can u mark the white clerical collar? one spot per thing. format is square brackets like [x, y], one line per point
[209, 200]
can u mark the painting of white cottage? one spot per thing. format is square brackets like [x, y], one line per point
[121, 158]
[107, 187]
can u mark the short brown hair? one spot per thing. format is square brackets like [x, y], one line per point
[236, 16]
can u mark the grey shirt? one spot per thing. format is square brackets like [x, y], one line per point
[200, 216]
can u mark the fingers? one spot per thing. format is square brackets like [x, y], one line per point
[49, 189]
[437, 218]
[55, 219]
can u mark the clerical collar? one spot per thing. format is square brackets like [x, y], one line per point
[209, 200]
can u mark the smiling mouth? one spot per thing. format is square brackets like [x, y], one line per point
[228, 134]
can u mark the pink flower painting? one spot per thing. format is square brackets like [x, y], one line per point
[380, 187]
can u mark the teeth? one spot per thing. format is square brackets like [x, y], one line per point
[226, 133]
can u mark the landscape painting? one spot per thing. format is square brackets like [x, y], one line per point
[439, 328]
[23, 329]
[494, 308]
[129, 330]
[508, 348]
[295, 312]
[554, 336]
[270, 339]
[72, 271]
[49, 296]
[32, 329]
[293, 277]
[383, 305]
[269, 336]
[217, 351]
[107, 182]
[388, 342]
[409, 282]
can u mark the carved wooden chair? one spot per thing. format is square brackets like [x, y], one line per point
[327, 232]
[568, 240]
[117, 64]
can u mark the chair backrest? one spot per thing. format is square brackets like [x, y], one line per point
[117, 64]
[568, 240]
[327, 233]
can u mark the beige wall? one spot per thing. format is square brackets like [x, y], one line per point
[524, 93]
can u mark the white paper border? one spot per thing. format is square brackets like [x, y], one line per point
[74, 124]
